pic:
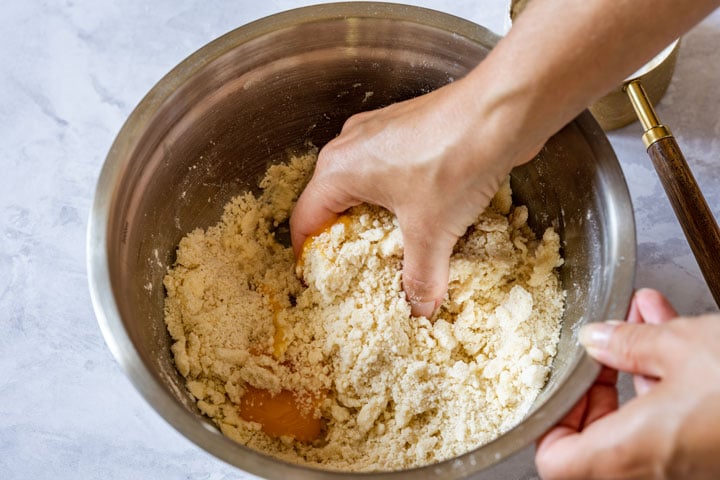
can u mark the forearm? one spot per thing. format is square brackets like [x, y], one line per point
[561, 55]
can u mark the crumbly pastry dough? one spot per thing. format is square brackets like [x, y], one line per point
[390, 391]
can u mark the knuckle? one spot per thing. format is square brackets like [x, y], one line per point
[647, 348]
[355, 120]
[328, 169]
[629, 455]
[628, 340]
[631, 344]
[413, 237]
[425, 228]
[325, 157]
[348, 125]
[624, 458]
[421, 289]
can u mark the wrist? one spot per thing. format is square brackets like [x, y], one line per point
[499, 119]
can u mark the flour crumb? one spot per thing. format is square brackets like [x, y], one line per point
[367, 386]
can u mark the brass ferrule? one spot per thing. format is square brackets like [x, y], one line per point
[654, 134]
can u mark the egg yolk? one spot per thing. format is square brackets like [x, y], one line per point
[344, 219]
[280, 342]
[285, 414]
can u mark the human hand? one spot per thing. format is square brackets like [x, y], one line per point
[672, 428]
[437, 160]
[423, 160]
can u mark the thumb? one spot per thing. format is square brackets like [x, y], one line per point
[426, 266]
[316, 209]
[634, 348]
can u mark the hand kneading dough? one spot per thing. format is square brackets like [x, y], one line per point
[338, 346]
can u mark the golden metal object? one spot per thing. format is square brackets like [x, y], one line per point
[654, 130]
[613, 111]
[641, 104]
[654, 134]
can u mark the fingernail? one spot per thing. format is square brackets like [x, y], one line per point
[423, 309]
[597, 335]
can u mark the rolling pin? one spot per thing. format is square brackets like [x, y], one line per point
[695, 217]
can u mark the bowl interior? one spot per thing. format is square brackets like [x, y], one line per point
[208, 131]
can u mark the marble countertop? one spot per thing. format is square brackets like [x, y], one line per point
[72, 71]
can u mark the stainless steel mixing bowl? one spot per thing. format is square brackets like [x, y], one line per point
[207, 132]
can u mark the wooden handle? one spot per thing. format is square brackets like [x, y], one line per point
[691, 209]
